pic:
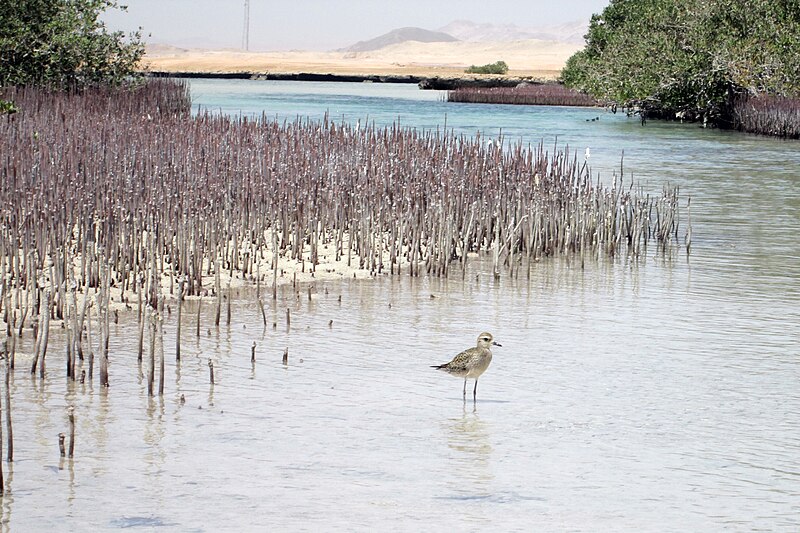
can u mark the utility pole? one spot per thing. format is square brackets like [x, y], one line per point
[246, 32]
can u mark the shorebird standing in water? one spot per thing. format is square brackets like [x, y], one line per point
[472, 362]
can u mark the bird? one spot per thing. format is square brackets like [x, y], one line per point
[472, 362]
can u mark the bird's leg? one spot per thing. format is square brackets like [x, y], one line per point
[465, 388]
[475, 391]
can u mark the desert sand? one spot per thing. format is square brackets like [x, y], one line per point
[528, 58]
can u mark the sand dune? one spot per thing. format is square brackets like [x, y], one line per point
[524, 58]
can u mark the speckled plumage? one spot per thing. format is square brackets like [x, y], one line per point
[472, 362]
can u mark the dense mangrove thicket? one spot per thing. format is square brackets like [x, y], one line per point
[691, 59]
[105, 191]
[524, 94]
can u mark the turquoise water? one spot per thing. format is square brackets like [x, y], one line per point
[404, 104]
[660, 395]
[745, 189]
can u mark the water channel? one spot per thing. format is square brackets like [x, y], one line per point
[655, 395]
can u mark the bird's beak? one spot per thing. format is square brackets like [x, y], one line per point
[497, 344]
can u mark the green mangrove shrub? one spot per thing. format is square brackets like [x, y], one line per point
[64, 44]
[498, 67]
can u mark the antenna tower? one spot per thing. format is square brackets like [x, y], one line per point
[246, 32]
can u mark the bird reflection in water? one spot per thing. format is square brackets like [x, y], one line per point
[471, 477]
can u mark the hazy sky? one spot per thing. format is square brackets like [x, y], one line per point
[326, 24]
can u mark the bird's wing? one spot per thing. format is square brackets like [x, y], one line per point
[462, 360]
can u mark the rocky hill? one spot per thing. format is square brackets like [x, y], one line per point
[400, 35]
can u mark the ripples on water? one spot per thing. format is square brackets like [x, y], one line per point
[652, 396]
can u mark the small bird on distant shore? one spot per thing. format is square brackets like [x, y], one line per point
[472, 362]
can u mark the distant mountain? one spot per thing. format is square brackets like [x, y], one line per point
[465, 30]
[400, 35]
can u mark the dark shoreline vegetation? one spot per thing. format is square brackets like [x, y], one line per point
[731, 65]
[524, 94]
[109, 190]
[767, 115]
[440, 83]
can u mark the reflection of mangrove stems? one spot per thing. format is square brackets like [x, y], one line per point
[9, 427]
[68, 345]
[12, 337]
[199, 305]
[181, 284]
[263, 312]
[81, 320]
[45, 333]
[151, 369]
[74, 332]
[71, 415]
[228, 312]
[89, 339]
[218, 289]
[103, 321]
[161, 346]
[140, 315]
[688, 237]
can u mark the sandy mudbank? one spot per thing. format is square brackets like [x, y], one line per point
[261, 272]
[528, 58]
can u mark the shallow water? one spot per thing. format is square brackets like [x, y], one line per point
[652, 396]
